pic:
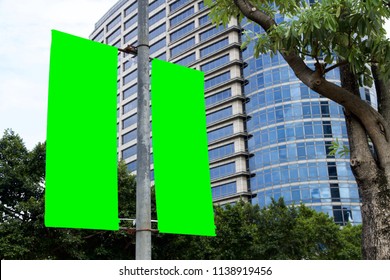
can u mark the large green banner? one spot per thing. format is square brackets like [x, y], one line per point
[181, 166]
[81, 160]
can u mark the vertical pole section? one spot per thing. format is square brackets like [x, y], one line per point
[143, 216]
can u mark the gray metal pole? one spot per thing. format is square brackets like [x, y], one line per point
[143, 216]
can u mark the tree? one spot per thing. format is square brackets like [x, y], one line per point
[337, 33]
[279, 232]
[244, 231]
[22, 231]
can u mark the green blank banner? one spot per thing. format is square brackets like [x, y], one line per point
[181, 166]
[81, 159]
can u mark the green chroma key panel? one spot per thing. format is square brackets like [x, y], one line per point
[180, 150]
[81, 160]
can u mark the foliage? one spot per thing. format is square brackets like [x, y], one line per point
[22, 231]
[335, 31]
[339, 149]
[245, 231]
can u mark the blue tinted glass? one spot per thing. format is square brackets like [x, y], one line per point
[215, 63]
[128, 152]
[129, 77]
[162, 56]
[99, 36]
[114, 22]
[131, 21]
[131, 8]
[204, 19]
[183, 46]
[219, 115]
[157, 31]
[224, 190]
[155, 4]
[221, 151]
[177, 4]
[220, 133]
[217, 97]
[131, 35]
[158, 46]
[130, 91]
[129, 121]
[132, 166]
[209, 33]
[155, 18]
[130, 106]
[214, 47]
[223, 170]
[113, 35]
[182, 16]
[129, 136]
[217, 80]
[186, 60]
[182, 31]
[201, 5]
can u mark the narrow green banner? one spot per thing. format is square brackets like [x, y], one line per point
[181, 166]
[81, 156]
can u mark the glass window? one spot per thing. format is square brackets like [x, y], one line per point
[155, 18]
[223, 170]
[131, 35]
[158, 45]
[129, 136]
[186, 60]
[214, 47]
[113, 35]
[204, 19]
[132, 166]
[157, 31]
[217, 80]
[182, 16]
[131, 21]
[220, 133]
[156, 4]
[114, 22]
[221, 151]
[177, 5]
[211, 32]
[99, 36]
[130, 9]
[219, 96]
[183, 46]
[162, 56]
[332, 170]
[129, 106]
[224, 190]
[130, 91]
[182, 31]
[327, 129]
[129, 121]
[130, 151]
[215, 63]
[219, 115]
[129, 77]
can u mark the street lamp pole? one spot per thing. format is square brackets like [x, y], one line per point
[143, 215]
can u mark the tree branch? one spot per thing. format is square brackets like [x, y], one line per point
[341, 63]
[375, 125]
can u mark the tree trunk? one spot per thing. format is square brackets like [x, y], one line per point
[371, 180]
[372, 171]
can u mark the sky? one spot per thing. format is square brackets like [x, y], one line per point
[25, 40]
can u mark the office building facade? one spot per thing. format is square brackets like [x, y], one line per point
[269, 135]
